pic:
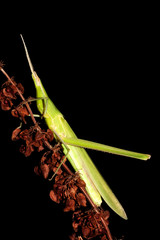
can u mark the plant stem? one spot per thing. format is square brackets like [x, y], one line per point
[48, 145]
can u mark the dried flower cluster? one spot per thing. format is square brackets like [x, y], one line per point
[68, 188]
[89, 224]
[8, 93]
[33, 138]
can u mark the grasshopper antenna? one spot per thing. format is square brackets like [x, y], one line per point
[34, 74]
[27, 55]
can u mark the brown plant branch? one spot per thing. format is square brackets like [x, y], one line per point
[49, 146]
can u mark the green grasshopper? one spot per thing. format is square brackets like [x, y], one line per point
[73, 148]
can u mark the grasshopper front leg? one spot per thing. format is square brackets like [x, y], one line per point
[45, 104]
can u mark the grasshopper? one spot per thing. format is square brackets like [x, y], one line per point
[74, 148]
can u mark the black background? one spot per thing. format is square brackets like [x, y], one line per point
[100, 74]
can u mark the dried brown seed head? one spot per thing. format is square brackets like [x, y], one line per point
[81, 199]
[53, 196]
[80, 182]
[70, 205]
[73, 191]
[6, 104]
[25, 135]
[45, 170]
[49, 135]
[15, 134]
[37, 170]
[85, 231]
[26, 150]
[21, 111]
[9, 92]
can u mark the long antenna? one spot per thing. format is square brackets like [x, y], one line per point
[27, 55]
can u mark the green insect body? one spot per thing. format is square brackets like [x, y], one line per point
[73, 147]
